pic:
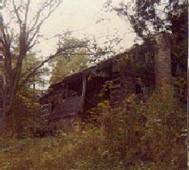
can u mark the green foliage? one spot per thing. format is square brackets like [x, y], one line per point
[163, 141]
[30, 62]
[65, 66]
[147, 17]
[25, 117]
[144, 136]
[74, 60]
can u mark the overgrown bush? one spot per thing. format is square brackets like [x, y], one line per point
[140, 136]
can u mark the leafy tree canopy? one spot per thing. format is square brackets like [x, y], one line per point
[74, 60]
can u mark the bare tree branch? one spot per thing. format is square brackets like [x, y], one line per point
[27, 11]
[18, 44]
[16, 10]
[34, 70]
[57, 54]
[37, 25]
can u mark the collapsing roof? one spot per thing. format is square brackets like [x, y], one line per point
[137, 53]
[128, 73]
[76, 77]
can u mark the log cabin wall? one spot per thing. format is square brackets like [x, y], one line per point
[130, 72]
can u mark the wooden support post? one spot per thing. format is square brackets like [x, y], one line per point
[66, 91]
[84, 85]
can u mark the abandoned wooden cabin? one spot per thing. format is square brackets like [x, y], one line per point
[115, 79]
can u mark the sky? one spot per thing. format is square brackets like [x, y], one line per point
[81, 17]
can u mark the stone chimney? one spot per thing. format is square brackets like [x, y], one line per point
[1, 37]
[2, 77]
[162, 60]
